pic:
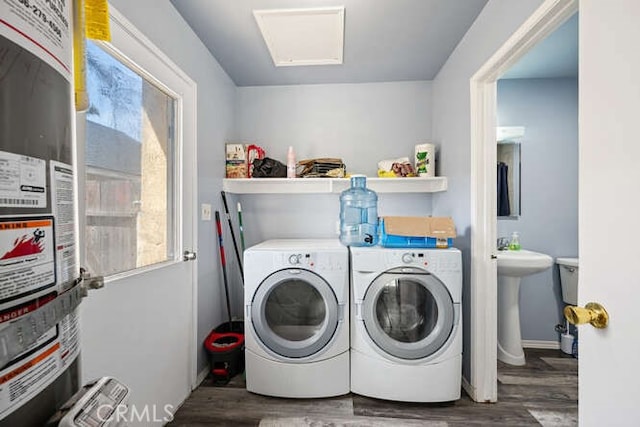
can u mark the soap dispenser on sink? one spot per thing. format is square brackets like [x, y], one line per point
[514, 243]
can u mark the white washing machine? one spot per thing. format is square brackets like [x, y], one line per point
[296, 299]
[406, 324]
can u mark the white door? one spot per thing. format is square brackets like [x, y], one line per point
[609, 193]
[138, 138]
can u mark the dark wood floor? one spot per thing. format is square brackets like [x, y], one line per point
[544, 392]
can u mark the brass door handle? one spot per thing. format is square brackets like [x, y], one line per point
[592, 313]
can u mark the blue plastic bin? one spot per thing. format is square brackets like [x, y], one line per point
[394, 241]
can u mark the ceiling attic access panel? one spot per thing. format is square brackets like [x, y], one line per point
[297, 37]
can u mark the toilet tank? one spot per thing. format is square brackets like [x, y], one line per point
[569, 279]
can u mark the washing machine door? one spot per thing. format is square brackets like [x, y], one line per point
[408, 313]
[295, 313]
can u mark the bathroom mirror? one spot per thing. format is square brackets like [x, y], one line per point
[508, 156]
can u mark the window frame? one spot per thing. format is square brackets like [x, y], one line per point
[157, 69]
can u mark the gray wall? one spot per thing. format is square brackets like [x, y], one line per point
[360, 123]
[215, 121]
[452, 127]
[548, 109]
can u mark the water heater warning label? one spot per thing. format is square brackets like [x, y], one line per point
[43, 27]
[23, 181]
[27, 266]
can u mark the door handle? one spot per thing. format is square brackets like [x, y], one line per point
[592, 313]
[188, 256]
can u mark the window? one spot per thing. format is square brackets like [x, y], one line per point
[129, 172]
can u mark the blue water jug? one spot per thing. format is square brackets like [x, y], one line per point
[358, 214]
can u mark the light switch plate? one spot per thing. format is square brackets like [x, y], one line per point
[206, 212]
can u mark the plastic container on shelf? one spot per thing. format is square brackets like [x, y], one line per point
[291, 163]
[358, 214]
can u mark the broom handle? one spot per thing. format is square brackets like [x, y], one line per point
[233, 235]
[224, 266]
[240, 227]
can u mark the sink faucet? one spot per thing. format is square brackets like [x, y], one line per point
[503, 243]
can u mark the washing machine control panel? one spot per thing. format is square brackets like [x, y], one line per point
[407, 258]
[431, 260]
[412, 258]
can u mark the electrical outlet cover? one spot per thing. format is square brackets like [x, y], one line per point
[206, 212]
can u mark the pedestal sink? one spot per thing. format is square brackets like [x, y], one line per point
[512, 267]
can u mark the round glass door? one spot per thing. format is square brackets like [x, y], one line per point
[408, 315]
[295, 313]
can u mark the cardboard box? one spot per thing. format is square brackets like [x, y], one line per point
[236, 161]
[417, 232]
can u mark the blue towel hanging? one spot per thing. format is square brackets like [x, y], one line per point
[504, 207]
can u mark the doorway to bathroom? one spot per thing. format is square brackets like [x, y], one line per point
[485, 87]
[608, 174]
[537, 101]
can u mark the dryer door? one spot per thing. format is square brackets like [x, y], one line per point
[409, 313]
[295, 313]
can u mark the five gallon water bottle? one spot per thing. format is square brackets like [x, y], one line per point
[358, 214]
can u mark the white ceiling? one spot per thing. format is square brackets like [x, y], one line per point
[384, 40]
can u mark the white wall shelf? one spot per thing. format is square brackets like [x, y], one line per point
[331, 185]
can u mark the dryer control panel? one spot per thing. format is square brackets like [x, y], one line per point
[315, 260]
[294, 259]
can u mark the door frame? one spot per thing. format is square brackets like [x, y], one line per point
[483, 383]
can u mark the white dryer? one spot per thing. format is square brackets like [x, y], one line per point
[296, 299]
[406, 324]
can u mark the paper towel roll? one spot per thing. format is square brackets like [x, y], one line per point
[425, 161]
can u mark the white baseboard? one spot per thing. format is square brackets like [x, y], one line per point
[551, 345]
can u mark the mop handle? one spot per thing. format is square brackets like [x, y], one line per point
[240, 226]
[220, 244]
[233, 235]
[224, 265]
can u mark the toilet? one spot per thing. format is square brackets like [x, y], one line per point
[569, 279]
[569, 282]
